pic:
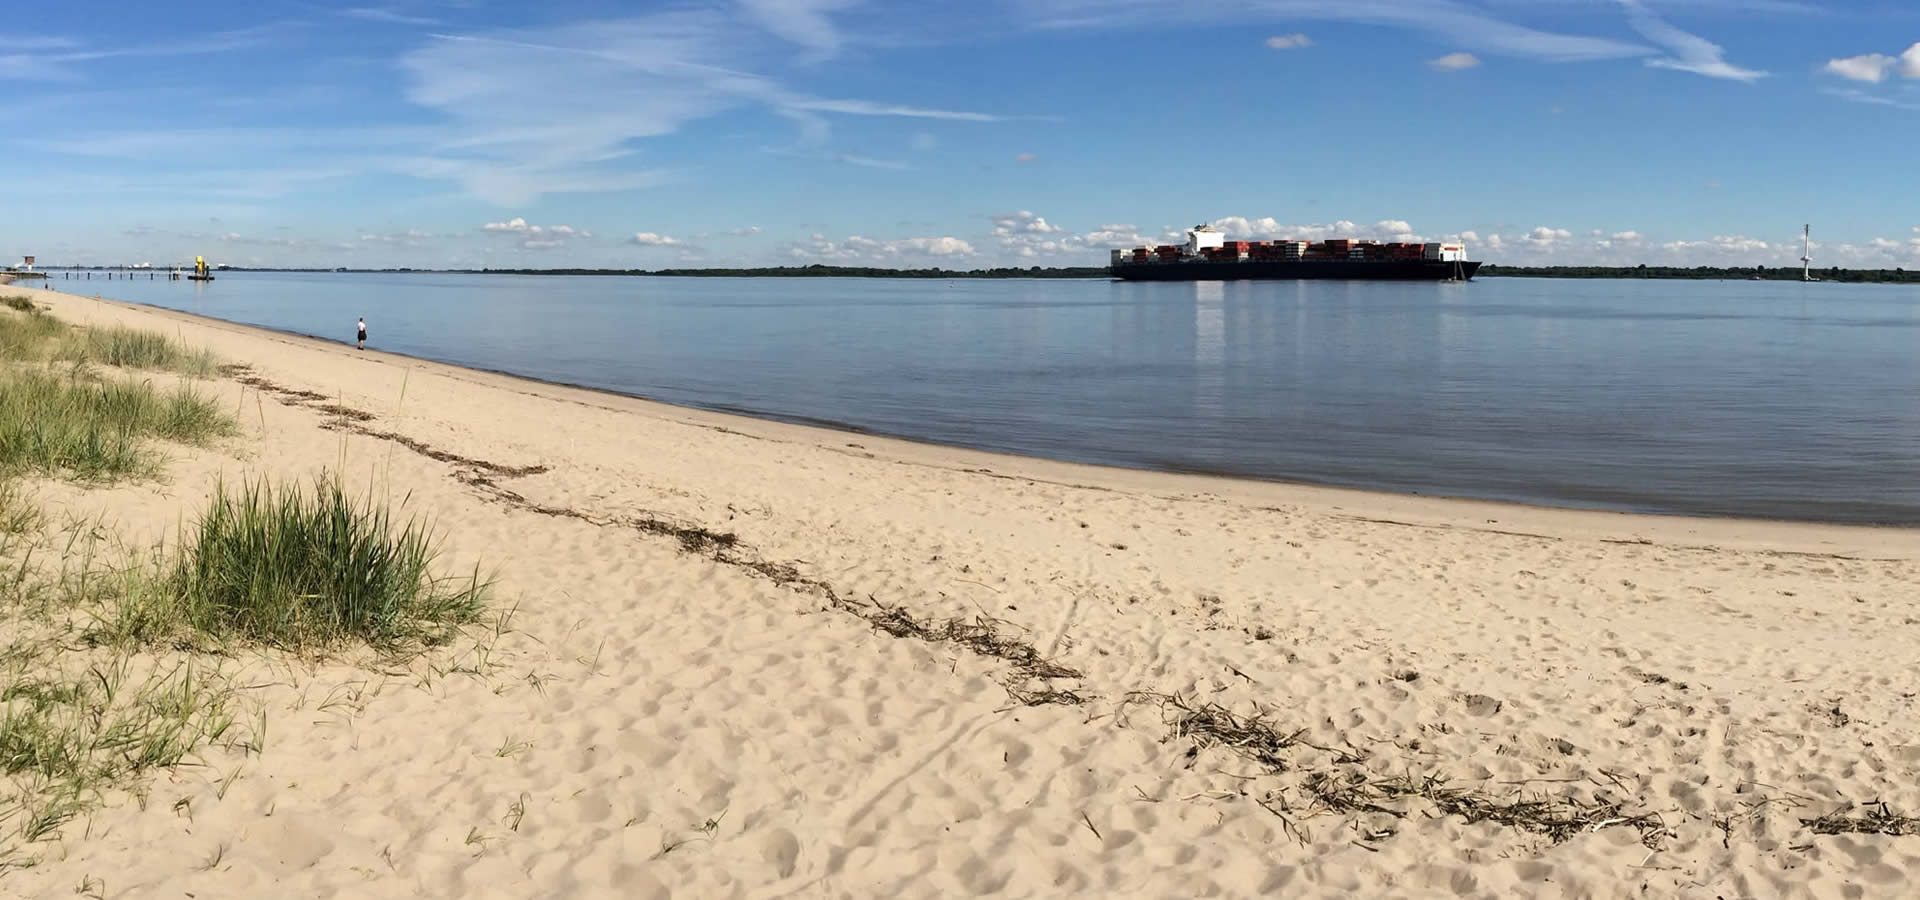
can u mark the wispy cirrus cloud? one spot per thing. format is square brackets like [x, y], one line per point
[534, 111]
[1458, 22]
[1687, 52]
[386, 15]
[61, 64]
[868, 108]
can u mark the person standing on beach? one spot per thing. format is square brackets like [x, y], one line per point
[363, 332]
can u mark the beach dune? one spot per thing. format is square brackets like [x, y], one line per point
[749, 659]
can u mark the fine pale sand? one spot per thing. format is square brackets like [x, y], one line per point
[672, 717]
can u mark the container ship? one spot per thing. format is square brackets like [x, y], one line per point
[1209, 256]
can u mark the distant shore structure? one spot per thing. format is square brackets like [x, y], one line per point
[1806, 252]
[1209, 256]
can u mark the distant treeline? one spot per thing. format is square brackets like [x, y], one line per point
[1489, 270]
[1893, 276]
[814, 271]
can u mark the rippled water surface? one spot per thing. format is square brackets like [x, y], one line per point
[1769, 399]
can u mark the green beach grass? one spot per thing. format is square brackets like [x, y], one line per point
[68, 424]
[35, 335]
[303, 570]
[100, 684]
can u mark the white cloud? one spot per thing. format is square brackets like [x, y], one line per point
[1690, 52]
[1627, 237]
[1454, 62]
[1720, 245]
[1268, 228]
[1872, 67]
[860, 249]
[1024, 157]
[536, 237]
[649, 239]
[869, 162]
[804, 22]
[392, 17]
[559, 109]
[1453, 21]
[1023, 222]
[1544, 238]
[411, 237]
[866, 108]
[745, 232]
[1289, 41]
[1876, 67]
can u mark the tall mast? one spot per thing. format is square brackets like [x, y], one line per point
[1806, 253]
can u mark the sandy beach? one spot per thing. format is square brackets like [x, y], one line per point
[749, 659]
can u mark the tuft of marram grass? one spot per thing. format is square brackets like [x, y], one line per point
[94, 430]
[305, 570]
[134, 348]
[20, 302]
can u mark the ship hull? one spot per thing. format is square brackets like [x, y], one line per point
[1291, 269]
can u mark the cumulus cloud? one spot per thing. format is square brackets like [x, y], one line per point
[745, 232]
[1876, 67]
[1024, 157]
[1720, 244]
[649, 239]
[1544, 238]
[1022, 222]
[411, 237]
[1871, 67]
[1268, 228]
[1454, 62]
[1626, 236]
[536, 237]
[861, 249]
[1289, 41]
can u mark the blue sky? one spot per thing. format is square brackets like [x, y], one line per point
[988, 132]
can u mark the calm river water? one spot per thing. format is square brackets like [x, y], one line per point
[1771, 399]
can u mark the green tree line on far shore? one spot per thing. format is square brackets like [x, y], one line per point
[1489, 270]
[1763, 273]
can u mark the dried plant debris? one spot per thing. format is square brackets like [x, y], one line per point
[1876, 819]
[1334, 780]
[1656, 678]
[1213, 725]
[982, 635]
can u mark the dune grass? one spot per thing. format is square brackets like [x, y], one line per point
[27, 336]
[134, 348]
[94, 430]
[72, 731]
[306, 570]
[98, 685]
[37, 336]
